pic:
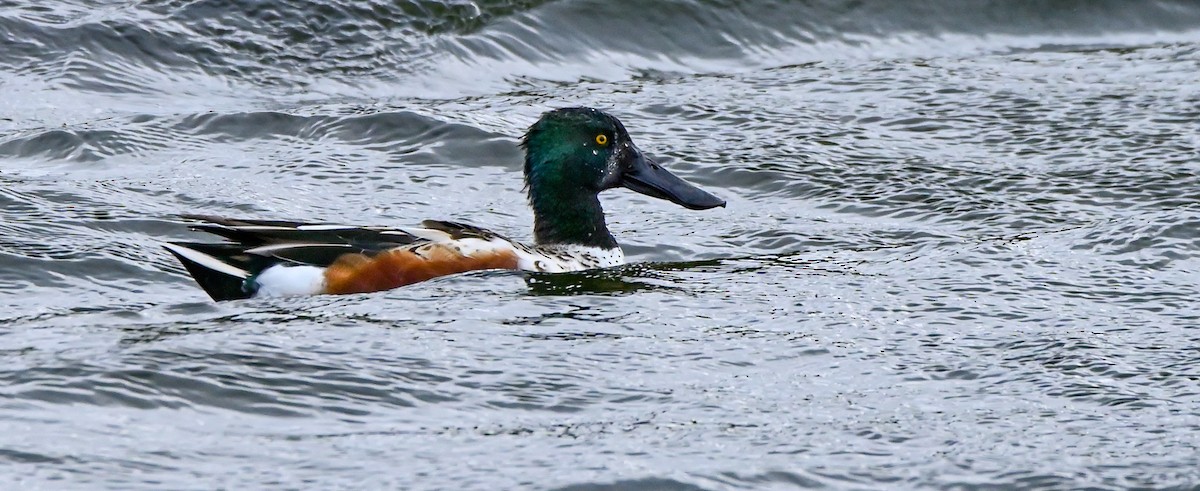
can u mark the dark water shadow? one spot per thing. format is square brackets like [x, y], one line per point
[622, 280]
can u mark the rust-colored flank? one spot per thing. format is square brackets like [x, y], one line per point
[357, 273]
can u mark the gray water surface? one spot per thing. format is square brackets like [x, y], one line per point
[962, 246]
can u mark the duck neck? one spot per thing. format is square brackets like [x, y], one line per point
[568, 218]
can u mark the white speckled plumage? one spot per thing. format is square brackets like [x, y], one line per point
[566, 258]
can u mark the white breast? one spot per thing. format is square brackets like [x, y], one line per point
[564, 258]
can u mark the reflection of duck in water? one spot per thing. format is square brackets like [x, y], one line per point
[571, 155]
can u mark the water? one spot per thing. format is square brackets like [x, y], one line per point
[962, 246]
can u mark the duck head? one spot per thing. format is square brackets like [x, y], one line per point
[573, 154]
[584, 150]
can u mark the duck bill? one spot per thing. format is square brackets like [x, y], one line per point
[646, 176]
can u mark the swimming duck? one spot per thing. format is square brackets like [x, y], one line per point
[571, 155]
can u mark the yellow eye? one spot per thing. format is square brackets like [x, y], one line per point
[602, 139]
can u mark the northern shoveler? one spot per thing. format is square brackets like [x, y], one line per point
[571, 155]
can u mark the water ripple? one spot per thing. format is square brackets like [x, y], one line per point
[961, 248]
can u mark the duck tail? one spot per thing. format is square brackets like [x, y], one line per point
[223, 270]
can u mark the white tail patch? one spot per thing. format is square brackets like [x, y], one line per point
[280, 280]
[208, 261]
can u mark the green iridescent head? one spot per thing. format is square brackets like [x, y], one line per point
[573, 154]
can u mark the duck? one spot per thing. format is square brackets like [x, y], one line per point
[571, 155]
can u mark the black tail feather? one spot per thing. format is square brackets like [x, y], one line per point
[220, 285]
[253, 233]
